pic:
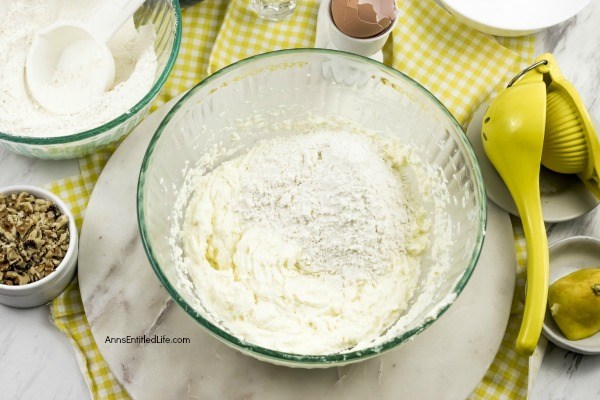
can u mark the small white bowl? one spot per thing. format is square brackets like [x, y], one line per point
[513, 17]
[566, 256]
[361, 46]
[42, 291]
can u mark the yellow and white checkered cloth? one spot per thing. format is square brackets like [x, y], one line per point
[462, 67]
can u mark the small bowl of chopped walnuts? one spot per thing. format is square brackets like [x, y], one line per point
[38, 246]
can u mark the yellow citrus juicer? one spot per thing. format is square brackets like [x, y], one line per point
[539, 118]
[513, 138]
[571, 143]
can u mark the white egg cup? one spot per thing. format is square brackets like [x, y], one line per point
[361, 46]
[43, 291]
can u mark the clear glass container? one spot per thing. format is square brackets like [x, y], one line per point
[281, 85]
[273, 10]
[165, 16]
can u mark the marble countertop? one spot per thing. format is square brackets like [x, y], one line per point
[38, 360]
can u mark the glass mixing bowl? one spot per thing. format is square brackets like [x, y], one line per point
[165, 16]
[289, 84]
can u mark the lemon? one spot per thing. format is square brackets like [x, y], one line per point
[574, 301]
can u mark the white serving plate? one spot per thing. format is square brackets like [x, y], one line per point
[513, 17]
[563, 197]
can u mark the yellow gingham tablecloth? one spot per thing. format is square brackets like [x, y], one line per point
[461, 66]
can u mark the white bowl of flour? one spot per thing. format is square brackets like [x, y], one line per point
[311, 208]
[143, 59]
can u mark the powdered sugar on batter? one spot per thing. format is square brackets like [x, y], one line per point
[335, 196]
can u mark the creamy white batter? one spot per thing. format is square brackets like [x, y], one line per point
[308, 244]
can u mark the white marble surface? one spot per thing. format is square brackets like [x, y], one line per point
[576, 45]
[39, 358]
[38, 362]
[122, 297]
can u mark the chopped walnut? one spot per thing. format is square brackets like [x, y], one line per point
[34, 238]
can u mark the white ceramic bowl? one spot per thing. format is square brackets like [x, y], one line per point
[42, 291]
[513, 17]
[566, 256]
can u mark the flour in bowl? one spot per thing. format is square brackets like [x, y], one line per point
[20, 20]
[310, 243]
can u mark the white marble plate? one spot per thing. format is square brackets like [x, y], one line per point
[566, 256]
[564, 197]
[122, 297]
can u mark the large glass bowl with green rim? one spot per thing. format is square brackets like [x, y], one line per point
[165, 16]
[290, 84]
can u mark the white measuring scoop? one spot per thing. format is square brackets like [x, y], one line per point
[69, 64]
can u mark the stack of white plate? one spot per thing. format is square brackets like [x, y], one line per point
[513, 17]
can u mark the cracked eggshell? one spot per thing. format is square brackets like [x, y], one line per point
[363, 18]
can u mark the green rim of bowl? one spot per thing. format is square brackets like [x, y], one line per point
[156, 88]
[265, 353]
